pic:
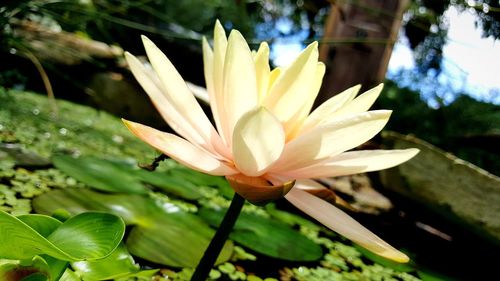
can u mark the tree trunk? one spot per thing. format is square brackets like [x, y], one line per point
[357, 43]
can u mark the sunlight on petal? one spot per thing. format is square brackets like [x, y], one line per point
[340, 222]
[240, 84]
[180, 150]
[179, 95]
[354, 162]
[262, 70]
[288, 94]
[330, 139]
[361, 103]
[325, 110]
[258, 140]
[219, 51]
[295, 124]
[174, 119]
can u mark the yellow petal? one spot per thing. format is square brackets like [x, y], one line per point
[354, 162]
[240, 86]
[181, 150]
[331, 139]
[328, 108]
[179, 95]
[273, 77]
[287, 96]
[262, 70]
[363, 102]
[295, 123]
[340, 222]
[258, 140]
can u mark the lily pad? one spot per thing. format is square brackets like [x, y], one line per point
[267, 236]
[200, 179]
[162, 233]
[100, 174]
[117, 176]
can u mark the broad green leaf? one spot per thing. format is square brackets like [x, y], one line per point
[56, 267]
[267, 236]
[89, 236]
[85, 236]
[120, 263]
[70, 275]
[162, 233]
[42, 224]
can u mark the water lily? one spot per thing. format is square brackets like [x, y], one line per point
[266, 141]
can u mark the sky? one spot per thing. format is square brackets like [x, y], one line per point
[471, 63]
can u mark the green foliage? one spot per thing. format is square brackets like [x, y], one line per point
[119, 176]
[467, 128]
[26, 119]
[162, 232]
[267, 236]
[88, 236]
[154, 217]
[44, 245]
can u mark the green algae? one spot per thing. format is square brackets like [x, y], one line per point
[26, 118]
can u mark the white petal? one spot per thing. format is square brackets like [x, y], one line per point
[208, 67]
[199, 92]
[288, 94]
[179, 95]
[150, 83]
[240, 86]
[361, 103]
[180, 150]
[354, 162]
[342, 223]
[215, 99]
[296, 122]
[258, 140]
[262, 70]
[331, 139]
[220, 46]
[326, 109]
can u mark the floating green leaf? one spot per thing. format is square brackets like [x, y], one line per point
[115, 176]
[267, 236]
[162, 233]
[100, 174]
[84, 237]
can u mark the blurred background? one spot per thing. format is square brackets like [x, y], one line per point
[439, 60]
[441, 57]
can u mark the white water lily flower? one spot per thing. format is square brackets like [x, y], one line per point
[265, 140]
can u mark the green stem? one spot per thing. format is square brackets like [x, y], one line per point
[219, 239]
